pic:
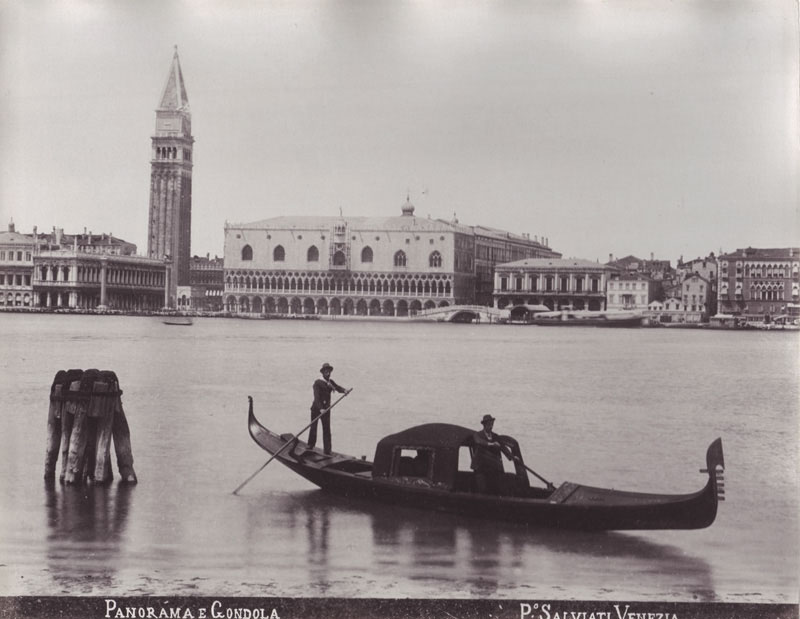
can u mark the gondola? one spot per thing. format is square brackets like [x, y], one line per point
[419, 467]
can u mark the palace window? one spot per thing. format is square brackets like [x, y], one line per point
[247, 253]
[400, 259]
[366, 254]
[435, 259]
[279, 254]
[313, 254]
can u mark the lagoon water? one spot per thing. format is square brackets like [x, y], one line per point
[630, 409]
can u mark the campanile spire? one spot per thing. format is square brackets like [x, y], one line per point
[170, 221]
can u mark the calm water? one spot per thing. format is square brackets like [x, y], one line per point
[632, 409]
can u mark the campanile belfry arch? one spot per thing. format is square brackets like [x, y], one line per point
[170, 220]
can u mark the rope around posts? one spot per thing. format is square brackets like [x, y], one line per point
[289, 442]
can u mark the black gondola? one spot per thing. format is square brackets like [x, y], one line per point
[419, 467]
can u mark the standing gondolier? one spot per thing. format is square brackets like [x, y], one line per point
[323, 387]
[486, 459]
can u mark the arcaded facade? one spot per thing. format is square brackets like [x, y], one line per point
[77, 278]
[552, 282]
[759, 283]
[376, 266]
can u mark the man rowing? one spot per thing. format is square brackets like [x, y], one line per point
[486, 458]
[320, 408]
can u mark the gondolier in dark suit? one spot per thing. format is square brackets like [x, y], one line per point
[323, 387]
[487, 461]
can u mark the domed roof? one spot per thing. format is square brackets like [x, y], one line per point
[408, 208]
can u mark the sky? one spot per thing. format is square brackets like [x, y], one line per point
[642, 127]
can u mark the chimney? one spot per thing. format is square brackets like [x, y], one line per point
[611, 257]
[651, 257]
[11, 227]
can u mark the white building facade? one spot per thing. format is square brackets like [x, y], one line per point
[629, 291]
[364, 266]
[16, 266]
[556, 283]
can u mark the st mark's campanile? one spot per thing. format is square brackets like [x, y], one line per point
[170, 221]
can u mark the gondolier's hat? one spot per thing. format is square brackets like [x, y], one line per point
[326, 366]
[487, 419]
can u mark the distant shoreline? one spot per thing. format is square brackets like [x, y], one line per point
[352, 318]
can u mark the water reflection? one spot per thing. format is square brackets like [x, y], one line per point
[482, 557]
[85, 534]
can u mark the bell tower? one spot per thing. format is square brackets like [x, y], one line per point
[170, 222]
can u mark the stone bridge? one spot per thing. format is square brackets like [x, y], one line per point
[463, 313]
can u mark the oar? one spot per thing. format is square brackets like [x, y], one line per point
[289, 442]
[530, 470]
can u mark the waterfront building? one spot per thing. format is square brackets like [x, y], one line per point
[689, 302]
[74, 276]
[207, 283]
[706, 268]
[170, 217]
[494, 247]
[629, 290]
[758, 284]
[16, 266]
[387, 266]
[696, 296]
[552, 282]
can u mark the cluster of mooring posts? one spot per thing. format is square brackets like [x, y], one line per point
[85, 414]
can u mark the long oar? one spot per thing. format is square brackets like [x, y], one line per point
[530, 470]
[289, 442]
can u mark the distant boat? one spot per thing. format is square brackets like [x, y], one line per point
[178, 321]
[588, 318]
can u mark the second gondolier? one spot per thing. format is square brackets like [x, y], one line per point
[323, 387]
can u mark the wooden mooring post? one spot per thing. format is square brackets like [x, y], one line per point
[85, 415]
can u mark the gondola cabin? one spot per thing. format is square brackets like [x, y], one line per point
[438, 455]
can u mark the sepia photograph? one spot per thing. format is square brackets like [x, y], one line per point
[400, 308]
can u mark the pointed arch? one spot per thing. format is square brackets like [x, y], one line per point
[279, 254]
[312, 255]
[366, 254]
[400, 259]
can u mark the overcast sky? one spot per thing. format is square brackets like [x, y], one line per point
[609, 127]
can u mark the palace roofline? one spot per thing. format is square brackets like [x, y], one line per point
[555, 263]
